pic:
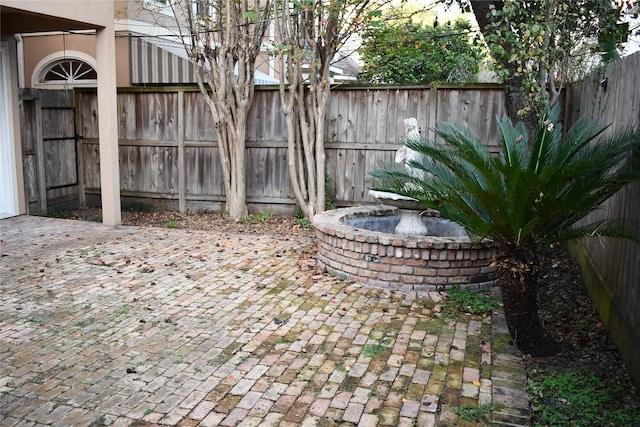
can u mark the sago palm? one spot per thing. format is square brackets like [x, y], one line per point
[523, 199]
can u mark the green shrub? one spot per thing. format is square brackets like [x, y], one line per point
[263, 216]
[579, 399]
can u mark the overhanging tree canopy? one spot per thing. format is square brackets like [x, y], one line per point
[536, 45]
[414, 53]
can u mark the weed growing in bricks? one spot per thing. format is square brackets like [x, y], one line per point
[474, 302]
[481, 413]
[371, 350]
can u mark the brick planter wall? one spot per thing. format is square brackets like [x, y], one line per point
[389, 261]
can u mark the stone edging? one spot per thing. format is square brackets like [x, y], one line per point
[389, 261]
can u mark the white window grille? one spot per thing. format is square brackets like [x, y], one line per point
[65, 70]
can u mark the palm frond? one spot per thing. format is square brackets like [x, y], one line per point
[523, 195]
[621, 229]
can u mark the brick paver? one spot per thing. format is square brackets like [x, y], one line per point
[124, 326]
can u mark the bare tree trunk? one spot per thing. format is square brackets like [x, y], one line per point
[236, 202]
[223, 38]
[311, 35]
[322, 95]
[515, 102]
[519, 270]
[297, 105]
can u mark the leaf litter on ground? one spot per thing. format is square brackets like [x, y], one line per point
[565, 308]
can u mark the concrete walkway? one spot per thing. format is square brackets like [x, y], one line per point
[139, 326]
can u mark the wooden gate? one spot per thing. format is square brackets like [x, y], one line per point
[50, 149]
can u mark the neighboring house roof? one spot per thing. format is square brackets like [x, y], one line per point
[347, 66]
[159, 61]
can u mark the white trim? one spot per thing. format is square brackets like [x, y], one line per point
[145, 28]
[56, 33]
[20, 57]
[56, 56]
[9, 205]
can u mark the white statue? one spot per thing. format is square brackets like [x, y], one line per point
[410, 221]
[406, 154]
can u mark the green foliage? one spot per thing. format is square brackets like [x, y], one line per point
[371, 350]
[303, 222]
[480, 413]
[474, 302]
[174, 224]
[413, 53]
[330, 198]
[538, 44]
[263, 216]
[579, 399]
[500, 342]
[522, 198]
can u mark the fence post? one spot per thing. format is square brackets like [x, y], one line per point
[40, 159]
[182, 180]
[433, 111]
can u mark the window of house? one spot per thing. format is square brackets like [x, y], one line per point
[65, 70]
[68, 71]
[161, 6]
[203, 8]
[198, 8]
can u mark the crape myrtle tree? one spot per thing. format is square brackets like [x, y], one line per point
[223, 39]
[523, 199]
[537, 46]
[408, 52]
[308, 33]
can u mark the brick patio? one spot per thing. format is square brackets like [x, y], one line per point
[139, 326]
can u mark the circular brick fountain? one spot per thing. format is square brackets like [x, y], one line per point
[359, 244]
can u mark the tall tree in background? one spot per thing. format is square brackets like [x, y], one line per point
[413, 53]
[223, 39]
[535, 45]
[308, 35]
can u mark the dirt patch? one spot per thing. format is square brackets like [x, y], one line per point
[567, 312]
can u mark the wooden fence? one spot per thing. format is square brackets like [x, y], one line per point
[612, 266]
[168, 150]
[50, 146]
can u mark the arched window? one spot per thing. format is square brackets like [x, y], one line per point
[65, 70]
